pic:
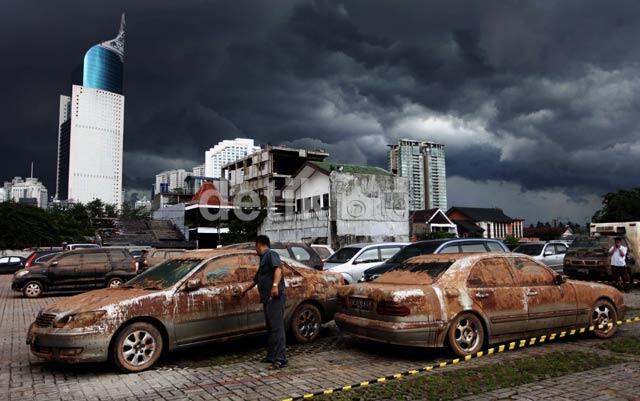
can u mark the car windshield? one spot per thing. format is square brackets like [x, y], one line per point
[322, 252]
[529, 249]
[412, 250]
[164, 275]
[343, 255]
[433, 269]
[602, 242]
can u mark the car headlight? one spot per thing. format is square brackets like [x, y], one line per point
[22, 272]
[76, 320]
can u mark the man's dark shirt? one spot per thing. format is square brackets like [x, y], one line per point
[264, 277]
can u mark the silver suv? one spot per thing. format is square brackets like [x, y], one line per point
[550, 253]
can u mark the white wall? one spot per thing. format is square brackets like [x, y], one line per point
[95, 157]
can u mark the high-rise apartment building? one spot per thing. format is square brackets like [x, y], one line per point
[199, 170]
[91, 128]
[171, 181]
[29, 190]
[225, 152]
[423, 163]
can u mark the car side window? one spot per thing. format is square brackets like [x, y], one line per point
[283, 252]
[450, 249]
[221, 270]
[388, 251]
[473, 248]
[528, 272]
[70, 260]
[369, 256]
[561, 249]
[494, 247]
[493, 272]
[549, 249]
[4, 260]
[300, 254]
[158, 254]
[95, 258]
[14, 260]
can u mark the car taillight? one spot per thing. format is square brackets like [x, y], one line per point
[392, 309]
[342, 302]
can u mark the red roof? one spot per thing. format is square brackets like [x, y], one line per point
[208, 194]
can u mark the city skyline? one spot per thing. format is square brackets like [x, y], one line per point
[529, 119]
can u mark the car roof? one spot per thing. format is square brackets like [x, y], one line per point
[367, 244]
[533, 243]
[469, 257]
[211, 253]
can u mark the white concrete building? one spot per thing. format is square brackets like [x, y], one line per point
[199, 170]
[171, 181]
[225, 152]
[340, 205]
[30, 190]
[95, 146]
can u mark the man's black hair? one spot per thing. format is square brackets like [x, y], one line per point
[618, 239]
[263, 240]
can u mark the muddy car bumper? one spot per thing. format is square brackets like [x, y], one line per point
[57, 345]
[423, 334]
[577, 270]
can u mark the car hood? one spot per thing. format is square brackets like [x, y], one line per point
[115, 301]
[337, 267]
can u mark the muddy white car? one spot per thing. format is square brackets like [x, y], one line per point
[467, 301]
[188, 300]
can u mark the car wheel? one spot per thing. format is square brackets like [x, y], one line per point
[466, 334]
[115, 282]
[137, 347]
[305, 323]
[33, 289]
[603, 313]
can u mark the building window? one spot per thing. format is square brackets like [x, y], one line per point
[325, 202]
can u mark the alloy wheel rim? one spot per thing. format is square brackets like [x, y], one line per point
[115, 283]
[138, 347]
[466, 335]
[601, 315]
[307, 324]
[32, 289]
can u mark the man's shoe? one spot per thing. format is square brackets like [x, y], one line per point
[266, 360]
[277, 365]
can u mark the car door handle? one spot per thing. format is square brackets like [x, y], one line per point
[532, 293]
[482, 294]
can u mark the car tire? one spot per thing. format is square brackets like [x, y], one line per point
[603, 312]
[33, 289]
[306, 322]
[466, 334]
[137, 347]
[114, 282]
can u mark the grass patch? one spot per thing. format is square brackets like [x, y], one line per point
[448, 385]
[625, 345]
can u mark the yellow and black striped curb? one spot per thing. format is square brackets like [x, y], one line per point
[510, 346]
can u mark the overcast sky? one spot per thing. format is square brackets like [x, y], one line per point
[537, 102]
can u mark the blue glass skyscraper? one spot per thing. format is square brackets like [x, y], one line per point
[103, 64]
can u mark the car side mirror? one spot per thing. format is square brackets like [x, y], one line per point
[193, 284]
[559, 279]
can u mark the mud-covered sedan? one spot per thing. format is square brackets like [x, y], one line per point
[184, 301]
[466, 301]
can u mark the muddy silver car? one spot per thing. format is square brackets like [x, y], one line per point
[184, 301]
[469, 300]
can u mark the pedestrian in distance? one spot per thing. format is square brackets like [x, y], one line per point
[618, 254]
[270, 282]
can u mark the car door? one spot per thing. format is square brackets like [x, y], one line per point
[255, 312]
[368, 258]
[214, 310]
[561, 250]
[95, 266]
[548, 256]
[493, 289]
[550, 305]
[63, 272]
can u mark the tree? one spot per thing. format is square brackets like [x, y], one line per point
[623, 205]
[510, 240]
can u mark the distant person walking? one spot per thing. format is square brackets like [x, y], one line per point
[270, 282]
[618, 253]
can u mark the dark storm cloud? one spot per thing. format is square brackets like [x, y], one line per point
[543, 95]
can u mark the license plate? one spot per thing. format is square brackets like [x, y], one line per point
[361, 303]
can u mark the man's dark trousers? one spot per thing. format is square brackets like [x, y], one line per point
[274, 317]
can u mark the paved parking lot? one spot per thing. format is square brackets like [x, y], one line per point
[232, 371]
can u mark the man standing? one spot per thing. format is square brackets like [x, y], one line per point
[618, 253]
[270, 282]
